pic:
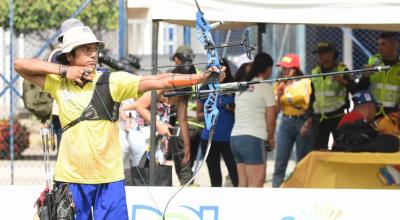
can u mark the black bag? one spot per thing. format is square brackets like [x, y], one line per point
[352, 136]
[65, 207]
[360, 136]
[140, 175]
[57, 204]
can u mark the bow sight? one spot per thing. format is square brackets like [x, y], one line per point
[245, 43]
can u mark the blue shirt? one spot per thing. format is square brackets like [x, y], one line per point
[225, 120]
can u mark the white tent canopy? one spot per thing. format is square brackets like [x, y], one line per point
[368, 14]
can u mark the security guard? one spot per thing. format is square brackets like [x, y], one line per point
[385, 85]
[331, 97]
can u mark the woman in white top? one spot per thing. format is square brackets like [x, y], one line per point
[255, 121]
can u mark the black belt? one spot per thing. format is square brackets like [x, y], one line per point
[296, 116]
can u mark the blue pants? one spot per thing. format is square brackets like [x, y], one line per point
[288, 133]
[108, 201]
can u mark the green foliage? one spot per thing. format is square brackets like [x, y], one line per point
[37, 15]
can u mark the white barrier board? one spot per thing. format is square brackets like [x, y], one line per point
[204, 203]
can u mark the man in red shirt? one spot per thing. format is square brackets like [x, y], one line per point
[355, 132]
[364, 108]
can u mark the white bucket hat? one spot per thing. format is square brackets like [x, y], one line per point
[68, 24]
[78, 36]
[75, 37]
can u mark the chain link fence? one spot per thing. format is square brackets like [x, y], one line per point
[280, 39]
[354, 46]
[361, 44]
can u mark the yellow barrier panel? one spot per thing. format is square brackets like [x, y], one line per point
[344, 170]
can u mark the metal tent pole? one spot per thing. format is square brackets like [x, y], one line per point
[11, 91]
[122, 28]
[154, 62]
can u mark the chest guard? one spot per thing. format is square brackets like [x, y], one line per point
[101, 106]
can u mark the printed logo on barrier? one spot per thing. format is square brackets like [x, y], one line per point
[318, 212]
[140, 212]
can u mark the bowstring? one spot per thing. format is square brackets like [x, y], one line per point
[110, 117]
[113, 138]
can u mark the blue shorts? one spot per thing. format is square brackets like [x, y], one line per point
[248, 149]
[108, 200]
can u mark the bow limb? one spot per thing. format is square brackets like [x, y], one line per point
[210, 106]
[198, 7]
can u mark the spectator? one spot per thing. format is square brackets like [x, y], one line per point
[295, 99]
[220, 145]
[355, 132]
[183, 57]
[254, 128]
[331, 97]
[132, 134]
[242, 74]
[142, 107]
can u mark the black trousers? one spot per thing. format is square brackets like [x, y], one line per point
[322, 130]
[217, 149]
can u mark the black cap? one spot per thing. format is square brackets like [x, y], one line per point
[184, 53]
[325, 46]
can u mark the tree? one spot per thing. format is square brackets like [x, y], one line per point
[34, 16]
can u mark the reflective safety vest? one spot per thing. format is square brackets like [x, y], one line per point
[296, 97]
[330, 95]
[385, 85]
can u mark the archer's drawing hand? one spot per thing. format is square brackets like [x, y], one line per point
[79, 74]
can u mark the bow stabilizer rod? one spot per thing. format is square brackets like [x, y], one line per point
[242, 86]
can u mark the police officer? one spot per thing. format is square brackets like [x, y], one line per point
[384, 85]
[331, 98]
